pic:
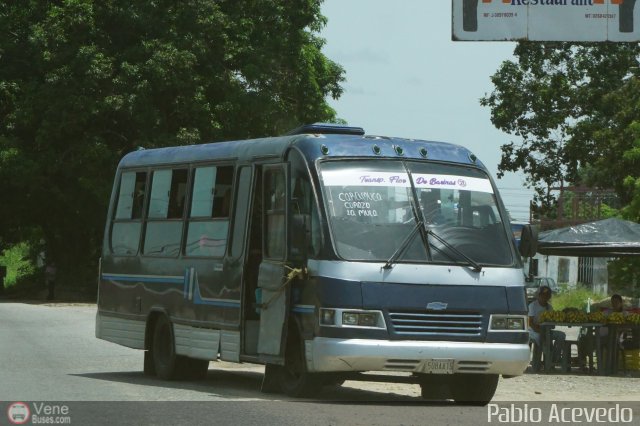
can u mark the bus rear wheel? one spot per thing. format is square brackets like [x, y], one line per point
[165, 360]
[295, 380]
[474, 389]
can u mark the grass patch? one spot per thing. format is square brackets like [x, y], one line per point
[574, 298]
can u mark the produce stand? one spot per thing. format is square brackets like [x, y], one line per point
[593, 329]
[616, 323]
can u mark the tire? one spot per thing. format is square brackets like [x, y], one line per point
[271, 379]
[435, 387]
[295, 380]
[333, 379]
[474, 389]
[149, 367]
[166, 362]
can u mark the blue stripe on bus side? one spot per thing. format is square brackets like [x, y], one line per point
[186, 281]
[303, 309]
[143, 279]
[197, 299]
[222, 303]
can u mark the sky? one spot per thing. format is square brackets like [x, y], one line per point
[405, 77]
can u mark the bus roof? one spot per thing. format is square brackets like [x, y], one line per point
[313, 146]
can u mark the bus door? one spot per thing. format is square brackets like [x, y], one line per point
[273, 288]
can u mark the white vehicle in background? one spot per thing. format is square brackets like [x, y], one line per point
[533, 286]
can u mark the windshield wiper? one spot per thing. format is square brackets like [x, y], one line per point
[403, 247]
[474, 265]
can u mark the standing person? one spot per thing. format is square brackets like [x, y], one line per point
[617, 305]
[50, 279]
[536, 308]
[585, 344]
[3, 274]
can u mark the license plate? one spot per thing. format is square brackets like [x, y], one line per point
[438, 366]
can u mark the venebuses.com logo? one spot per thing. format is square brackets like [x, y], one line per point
[18, 413]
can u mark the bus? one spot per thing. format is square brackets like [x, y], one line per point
[325, 254]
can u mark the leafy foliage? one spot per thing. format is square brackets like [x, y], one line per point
[83, 82]
[576, 110]
[16, 259]
[624, 276]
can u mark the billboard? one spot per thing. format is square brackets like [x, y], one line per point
[545, 20]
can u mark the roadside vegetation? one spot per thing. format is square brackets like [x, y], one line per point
[574, 298]
[78, 92]
[18, 264]
[24, 279]
[572, 109]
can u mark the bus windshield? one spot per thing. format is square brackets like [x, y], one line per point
[373, 213]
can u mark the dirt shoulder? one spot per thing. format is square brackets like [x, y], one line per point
[569, 387]
[538, 387]
[528, 387]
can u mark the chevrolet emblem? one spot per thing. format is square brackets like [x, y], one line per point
[437, 306]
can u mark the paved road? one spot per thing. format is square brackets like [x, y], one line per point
[49, 353]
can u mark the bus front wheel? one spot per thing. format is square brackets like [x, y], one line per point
[295, 380]
[435, 387]
[474, 389]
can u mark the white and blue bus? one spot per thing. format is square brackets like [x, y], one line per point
[322, 254]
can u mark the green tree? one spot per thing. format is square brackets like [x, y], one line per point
[83, 82]
[624, 276]
[575, 110]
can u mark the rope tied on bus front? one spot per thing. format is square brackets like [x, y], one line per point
[292, 275]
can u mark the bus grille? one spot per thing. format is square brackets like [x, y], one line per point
[437, 324]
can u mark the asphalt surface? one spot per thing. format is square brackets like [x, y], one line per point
[49, 353]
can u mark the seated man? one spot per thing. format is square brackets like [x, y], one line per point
[586, 343]
[624, 335]
[617, 306]
[536, 308]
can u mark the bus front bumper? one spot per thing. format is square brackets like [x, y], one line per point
[332, 354]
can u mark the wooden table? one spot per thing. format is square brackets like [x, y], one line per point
[546, 342]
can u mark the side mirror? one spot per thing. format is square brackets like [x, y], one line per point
[300, 235]
[528, 241]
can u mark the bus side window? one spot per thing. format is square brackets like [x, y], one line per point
[303, 202]
[242, 192]
[126, 226]
[168, 191]
[208, 222]
[274, 212]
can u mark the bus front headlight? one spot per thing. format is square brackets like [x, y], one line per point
[507, 323]
[351, 318]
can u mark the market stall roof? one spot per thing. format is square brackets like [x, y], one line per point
[603, 238]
